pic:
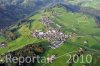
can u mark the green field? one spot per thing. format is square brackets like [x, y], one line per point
[87, 3]
[2, 38]
[25, 38]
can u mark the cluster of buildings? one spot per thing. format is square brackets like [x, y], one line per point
[45, 20]
[54, 36]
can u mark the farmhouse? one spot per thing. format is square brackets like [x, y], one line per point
[2, 45]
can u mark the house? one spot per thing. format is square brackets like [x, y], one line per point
[2, 45]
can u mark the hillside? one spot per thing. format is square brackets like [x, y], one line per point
[11, 11]
[82, 28]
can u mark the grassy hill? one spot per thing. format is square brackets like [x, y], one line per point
[26, 36]
[84, 27]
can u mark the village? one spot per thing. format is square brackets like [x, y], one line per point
[54, 29]
[52, 35]
[56, 38]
